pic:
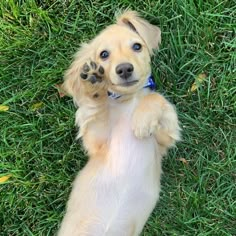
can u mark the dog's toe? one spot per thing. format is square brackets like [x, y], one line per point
[83, 75]
[86, 68]
[144, 126]
[93, 65]
[145, 130]
[101, 70]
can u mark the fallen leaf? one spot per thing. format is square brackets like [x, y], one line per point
[4, 108]
[3, 179]
[198, 81]
[183, 160]
[36, 106]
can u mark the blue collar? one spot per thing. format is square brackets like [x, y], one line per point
[149, 84]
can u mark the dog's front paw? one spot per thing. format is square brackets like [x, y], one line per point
[92, 72]
[144, 124]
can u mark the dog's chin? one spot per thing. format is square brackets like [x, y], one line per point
[127, 87]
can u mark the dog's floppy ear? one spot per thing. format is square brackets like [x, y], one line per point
[151, 34]
[71, 84]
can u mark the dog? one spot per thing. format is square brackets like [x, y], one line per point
[126, 129]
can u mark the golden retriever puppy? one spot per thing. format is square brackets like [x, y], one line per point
[126, 129]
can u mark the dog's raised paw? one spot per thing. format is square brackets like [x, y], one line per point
[92, 72]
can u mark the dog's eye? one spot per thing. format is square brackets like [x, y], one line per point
[137, 47]
[104, 54]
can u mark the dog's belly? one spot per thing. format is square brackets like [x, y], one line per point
[133, 170]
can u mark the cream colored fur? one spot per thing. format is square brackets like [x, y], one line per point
[125, 138]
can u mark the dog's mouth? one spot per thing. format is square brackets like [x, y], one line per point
[127, 83]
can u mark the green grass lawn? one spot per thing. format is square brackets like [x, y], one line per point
[37, 134]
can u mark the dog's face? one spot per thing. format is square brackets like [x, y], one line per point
[123, 50]
[124, 57]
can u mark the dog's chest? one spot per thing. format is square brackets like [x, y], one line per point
[128, 155]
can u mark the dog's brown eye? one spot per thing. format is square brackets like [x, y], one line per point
[104, 54]
[137, 47]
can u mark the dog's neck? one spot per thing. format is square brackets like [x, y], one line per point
[149, 84]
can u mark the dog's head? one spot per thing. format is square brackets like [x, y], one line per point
[123, 50]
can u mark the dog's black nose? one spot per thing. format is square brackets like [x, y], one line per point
[124, 70]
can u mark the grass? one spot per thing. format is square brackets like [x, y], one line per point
[37, 145]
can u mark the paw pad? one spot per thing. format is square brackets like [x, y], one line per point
[92, 72]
